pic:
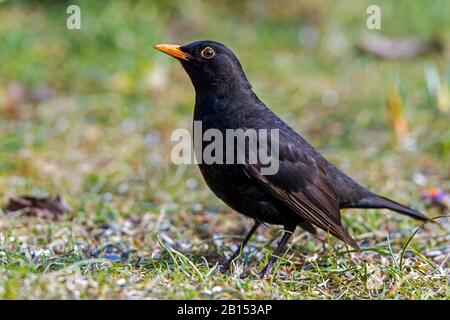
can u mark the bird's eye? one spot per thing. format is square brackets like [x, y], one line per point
[208, 53]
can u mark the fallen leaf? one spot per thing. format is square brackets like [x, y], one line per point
[395, 48]
[41, 207]
[15, 95]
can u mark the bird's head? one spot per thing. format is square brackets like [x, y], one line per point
[211, 66]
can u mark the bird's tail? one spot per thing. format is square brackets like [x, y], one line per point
[376, 201]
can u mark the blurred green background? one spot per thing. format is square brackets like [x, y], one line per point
[88, 113]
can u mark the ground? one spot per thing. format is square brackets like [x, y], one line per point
[93, 119]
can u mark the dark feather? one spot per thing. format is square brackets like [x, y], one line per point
[300, 185]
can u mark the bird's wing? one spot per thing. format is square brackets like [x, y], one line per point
[301, 184]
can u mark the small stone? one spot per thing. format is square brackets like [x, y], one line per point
[197, 207]
[330, 98]
[191, 184]
[207, 292]
[216, 289]
[123, 188]
[308, 36]
[156, 255]
[107, 197]
[113, 257]
[419, 179]
[152, 138]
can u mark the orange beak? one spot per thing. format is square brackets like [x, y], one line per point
[173, 50]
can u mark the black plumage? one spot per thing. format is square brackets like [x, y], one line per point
[307, 190]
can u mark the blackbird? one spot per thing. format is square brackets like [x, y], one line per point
[306, 191]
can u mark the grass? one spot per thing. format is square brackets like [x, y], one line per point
[95, 126]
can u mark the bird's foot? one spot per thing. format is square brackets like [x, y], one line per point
[225, 268]
[266, 271]
[249, 275]
[263, 274]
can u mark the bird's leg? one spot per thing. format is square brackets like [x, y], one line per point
[241, 247]
[287, 234]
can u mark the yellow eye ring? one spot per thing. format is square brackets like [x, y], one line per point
[208, 53]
